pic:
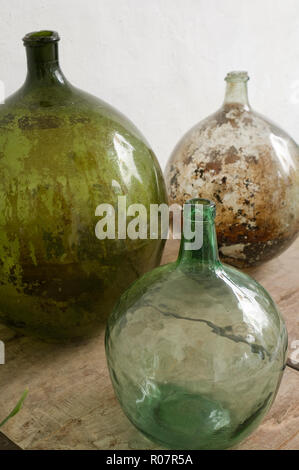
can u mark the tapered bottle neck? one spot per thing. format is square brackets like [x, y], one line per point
[236, 89]
[42, 59]
[199, 247]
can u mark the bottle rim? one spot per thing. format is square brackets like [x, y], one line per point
[39, 38]
[201, 209]
[237, 76]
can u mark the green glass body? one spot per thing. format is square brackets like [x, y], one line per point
[196, 349]
[62, 153]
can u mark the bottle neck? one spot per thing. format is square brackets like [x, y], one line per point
[236, 89]
[42, 61]
[199, 250]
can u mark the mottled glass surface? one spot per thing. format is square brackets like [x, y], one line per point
[250, 167]
[63, 152]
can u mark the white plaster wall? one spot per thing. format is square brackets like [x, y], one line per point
[162, 62]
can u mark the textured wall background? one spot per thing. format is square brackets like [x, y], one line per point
[162, 62]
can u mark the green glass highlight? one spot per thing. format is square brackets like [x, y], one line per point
[62, 153]
[196, 349]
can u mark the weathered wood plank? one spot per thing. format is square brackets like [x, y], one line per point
[280, 429]
[71, 404]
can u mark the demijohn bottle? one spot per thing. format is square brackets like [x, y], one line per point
[250, 168]
[64, 152]
[196, 349]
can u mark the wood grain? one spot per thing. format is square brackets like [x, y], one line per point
[71, 404]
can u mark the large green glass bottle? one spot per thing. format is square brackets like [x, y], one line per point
[196, 349]
[62, 153]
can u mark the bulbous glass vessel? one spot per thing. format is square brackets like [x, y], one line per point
[63, 153]
[250, 168]
[196, 349]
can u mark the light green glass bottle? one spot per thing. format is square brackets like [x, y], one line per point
[196, 349]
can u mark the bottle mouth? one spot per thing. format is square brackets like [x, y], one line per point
[200, 209]
[237, 76]
[39, 38]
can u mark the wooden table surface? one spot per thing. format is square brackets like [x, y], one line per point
[71, 404]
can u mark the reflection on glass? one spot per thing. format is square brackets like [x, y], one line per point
[250, 168]
[196, 349]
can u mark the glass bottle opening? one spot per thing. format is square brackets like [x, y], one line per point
[236, 89]
[237, 76]
[199, 209]
[38, 38]
[42, 57]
